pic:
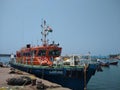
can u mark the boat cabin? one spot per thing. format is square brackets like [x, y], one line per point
[40, 55]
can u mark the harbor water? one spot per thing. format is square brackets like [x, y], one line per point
[109, 79]
[4, 59]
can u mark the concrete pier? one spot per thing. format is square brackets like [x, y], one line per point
[4, 75]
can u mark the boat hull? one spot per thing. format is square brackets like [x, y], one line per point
[73, 78]
[114, 63]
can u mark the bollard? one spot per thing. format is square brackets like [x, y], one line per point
[33, 82]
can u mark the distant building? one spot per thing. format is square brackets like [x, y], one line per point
[114, 56]
[4, 55]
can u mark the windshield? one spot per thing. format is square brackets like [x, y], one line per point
[42, 53]
[54, 53]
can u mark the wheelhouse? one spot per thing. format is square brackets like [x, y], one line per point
[34, 55]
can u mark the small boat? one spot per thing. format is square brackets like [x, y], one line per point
[39, 60]
[106, 64]
[113, 62]
[103, 63]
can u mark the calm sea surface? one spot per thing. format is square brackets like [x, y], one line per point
[4, 59]
[109, 79]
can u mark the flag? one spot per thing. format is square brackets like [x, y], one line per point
[49, 29]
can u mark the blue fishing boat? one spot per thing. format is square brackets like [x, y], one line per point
[38, 60]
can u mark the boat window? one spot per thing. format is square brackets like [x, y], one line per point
[26, 54]
[33, 52]
[54, 52]
[21, 54]
[41, 53]
[18, 54]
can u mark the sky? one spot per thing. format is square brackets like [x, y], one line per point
[79, 26]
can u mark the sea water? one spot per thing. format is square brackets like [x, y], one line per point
[4, 59]
[109, 79]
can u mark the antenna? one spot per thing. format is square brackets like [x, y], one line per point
[45, 30]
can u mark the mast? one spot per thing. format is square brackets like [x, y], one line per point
[45, 30]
